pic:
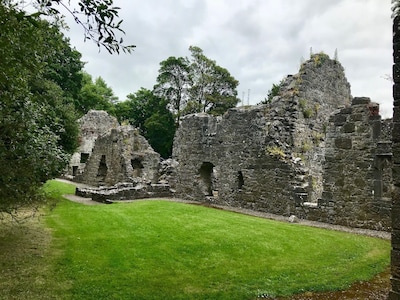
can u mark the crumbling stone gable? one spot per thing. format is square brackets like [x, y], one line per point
[272, 158]
[122, 155]
[298, 118]
[92, 125]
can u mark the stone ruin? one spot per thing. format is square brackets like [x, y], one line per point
[92, 125]
[314, 152]
[115, 159]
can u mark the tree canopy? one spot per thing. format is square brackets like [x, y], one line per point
[98, 18]
[37, 117]
[149, 113]
[195, 85]
[95, 95]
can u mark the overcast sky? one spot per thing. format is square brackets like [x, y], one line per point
[258, 41]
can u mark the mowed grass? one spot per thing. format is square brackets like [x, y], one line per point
[166, 250]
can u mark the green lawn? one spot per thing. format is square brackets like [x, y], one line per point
[167, 250]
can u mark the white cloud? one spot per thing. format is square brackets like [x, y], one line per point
[258, 42]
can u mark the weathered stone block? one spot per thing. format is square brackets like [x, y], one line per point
[395, 261]
[396, 74]
[360, 100]
[396, 132]
[396, 154]
[346, 110]
[394, 295]
[396, 113]
[357, 117]
[396, 91]
[396, 31]
[396, 55]
[396, 238]
[396, 217]
[343, 143]
[339, 119]
[349, 127]
[376, 128]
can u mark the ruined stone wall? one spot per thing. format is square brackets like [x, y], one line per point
[395, 256]
[122, 155]
[92, 125]
[357, 171]
[224, 160]
[309, 152]
[299, 117]
[263, 157]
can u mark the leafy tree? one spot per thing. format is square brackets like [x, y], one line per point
[213, 86]
[173, 83]
[160, 131]
[196, 85]
[37, 125]
[63, 64]
[95, 95]
[98, 18]
[274, 91]
[149, 113]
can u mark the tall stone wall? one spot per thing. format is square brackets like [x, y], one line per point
[356, 175]
[313, 152]
[224, 161]
[92, 125]
[395, 293]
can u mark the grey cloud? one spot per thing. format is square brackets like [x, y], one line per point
[258, 42]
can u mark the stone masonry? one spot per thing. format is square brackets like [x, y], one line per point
[395, 256]
[314, 152]
[92, 125]
[122, 155]
[357, 177]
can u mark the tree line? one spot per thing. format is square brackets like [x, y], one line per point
[44, 90]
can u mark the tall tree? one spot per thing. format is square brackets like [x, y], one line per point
[95, 95]
[37, 125]
[98, 18]
[196, 85]
[149, 113]
[63, 63]
[173, 83]
[213, 86]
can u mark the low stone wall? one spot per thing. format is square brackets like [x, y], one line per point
[126, 192]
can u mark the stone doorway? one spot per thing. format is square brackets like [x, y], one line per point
[102, 170]
[74, 170]
[84, 158]
[137, 167]
[206, 172]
